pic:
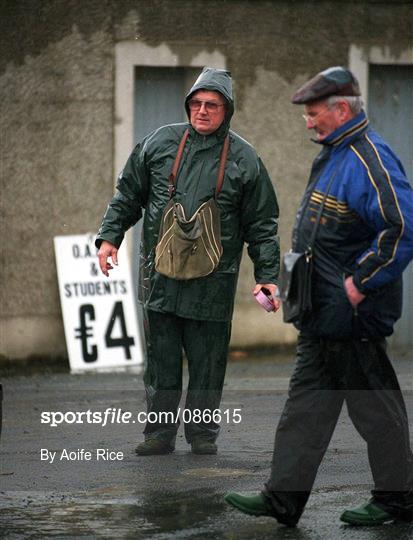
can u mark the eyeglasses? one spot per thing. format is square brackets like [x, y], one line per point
[312, 119]
[210, 106]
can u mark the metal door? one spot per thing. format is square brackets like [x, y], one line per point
[390, 109]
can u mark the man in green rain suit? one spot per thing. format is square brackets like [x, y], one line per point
[193, 315]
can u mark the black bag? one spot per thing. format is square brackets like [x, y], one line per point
[295, 285]
[296, 274]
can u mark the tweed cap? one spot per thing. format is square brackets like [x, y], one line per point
[334, 81]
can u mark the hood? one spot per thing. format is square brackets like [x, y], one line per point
[217, 80]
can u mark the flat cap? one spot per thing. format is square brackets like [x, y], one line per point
[334, 81]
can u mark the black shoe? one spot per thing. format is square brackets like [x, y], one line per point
[203, 446]
[152, 447]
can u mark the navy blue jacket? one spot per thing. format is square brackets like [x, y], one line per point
[366, 230]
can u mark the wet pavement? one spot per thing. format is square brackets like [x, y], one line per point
[177, 496]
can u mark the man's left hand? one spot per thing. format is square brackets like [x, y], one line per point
[273, 289]
[353, 294]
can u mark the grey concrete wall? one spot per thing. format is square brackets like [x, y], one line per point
[57, 122]
[56, 116]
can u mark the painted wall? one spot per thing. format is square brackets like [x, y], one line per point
[57, 72]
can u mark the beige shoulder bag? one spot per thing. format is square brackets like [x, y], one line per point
[190, 248]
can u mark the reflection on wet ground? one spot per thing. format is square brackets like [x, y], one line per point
[109, 513]
[114, 513]
[179, 496]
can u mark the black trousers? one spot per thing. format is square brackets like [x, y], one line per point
[205, 344]
[326, 374]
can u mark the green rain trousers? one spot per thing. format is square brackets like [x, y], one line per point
[205, 344]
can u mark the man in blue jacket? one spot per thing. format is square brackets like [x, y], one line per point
[364, 242]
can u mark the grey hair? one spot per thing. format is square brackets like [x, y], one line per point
[355, 102]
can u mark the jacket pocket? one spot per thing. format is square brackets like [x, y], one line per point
[378, 312]
[209, 298]
[333, 315]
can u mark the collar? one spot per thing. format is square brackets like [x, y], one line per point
[206, 141]
[346, 133]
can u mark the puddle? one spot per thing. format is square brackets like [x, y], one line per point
[116, 512]
[211, 472]
[109, 512]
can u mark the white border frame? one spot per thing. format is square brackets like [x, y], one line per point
[361, 57]
[129, 54]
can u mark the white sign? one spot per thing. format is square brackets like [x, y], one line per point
[99, 312]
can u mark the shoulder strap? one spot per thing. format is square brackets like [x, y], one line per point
[178, 157]
[320, 210]
[222, 163]
[175, 167]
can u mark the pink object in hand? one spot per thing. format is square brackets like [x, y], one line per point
[265, 300]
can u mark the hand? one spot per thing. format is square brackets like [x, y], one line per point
[107, 250]
[353, 294]
[273, 289]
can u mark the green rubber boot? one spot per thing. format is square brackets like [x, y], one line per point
[202, 446]
[254, 505]
[258, 505]
[366, 514]
[153, 447]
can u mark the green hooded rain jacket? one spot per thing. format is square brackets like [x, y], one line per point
[247, 202]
